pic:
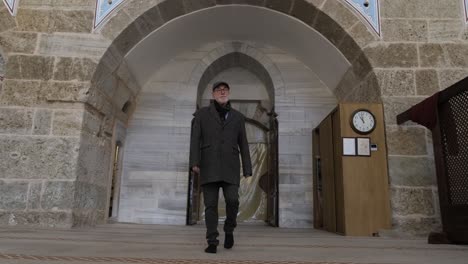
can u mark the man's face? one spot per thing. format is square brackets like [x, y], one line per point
[221, 94]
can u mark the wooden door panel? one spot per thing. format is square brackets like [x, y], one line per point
[328, 174]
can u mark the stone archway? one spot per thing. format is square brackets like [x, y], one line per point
[114, 85]
[149, 162]
[340, 26]
[232, 55]
[333, 20]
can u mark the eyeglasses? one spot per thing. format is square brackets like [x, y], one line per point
[218, 90]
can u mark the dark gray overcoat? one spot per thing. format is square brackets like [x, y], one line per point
[215, 146]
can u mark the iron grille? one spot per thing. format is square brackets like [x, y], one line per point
[453, 118]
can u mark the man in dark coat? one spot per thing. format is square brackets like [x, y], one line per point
[218, 136]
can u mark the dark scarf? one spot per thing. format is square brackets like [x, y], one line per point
[222, 110]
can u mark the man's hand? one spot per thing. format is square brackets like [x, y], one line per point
[196, 169]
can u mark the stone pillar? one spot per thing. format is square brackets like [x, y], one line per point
[49, 139]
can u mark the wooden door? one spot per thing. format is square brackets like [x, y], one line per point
[317, 180]
[338, 173]
[328, 174]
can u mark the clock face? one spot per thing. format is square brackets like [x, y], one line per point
[363, 121]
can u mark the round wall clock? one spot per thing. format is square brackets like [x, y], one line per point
[363, 121]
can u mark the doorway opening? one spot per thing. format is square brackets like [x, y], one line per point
[155, 172]
[258, 195]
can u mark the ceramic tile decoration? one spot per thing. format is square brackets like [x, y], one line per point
[465, 4]
[103, 9]
[11, 6]
[370, 10]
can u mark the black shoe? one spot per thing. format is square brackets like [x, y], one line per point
[228, 241]
[211, 249]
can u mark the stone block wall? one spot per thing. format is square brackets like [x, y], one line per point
[156, 150]
[301, 105]
[44, 124]
[48, 104]
[424, 49]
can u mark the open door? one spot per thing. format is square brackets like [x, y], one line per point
[272, 190]
[327, 184]
[193, 197]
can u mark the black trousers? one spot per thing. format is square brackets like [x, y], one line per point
[210, 196]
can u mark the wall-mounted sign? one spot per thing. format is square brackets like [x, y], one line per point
[363, 147]
[349, 146]
[357, 146]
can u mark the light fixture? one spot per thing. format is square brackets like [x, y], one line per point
[366, 3]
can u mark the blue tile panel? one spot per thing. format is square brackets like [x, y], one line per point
[103, 9]
[466, 10]
[369, 10]
[11, 6]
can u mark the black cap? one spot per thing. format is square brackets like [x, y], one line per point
[217, 84]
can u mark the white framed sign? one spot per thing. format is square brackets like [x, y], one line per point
[363, 147]
[349, 146]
